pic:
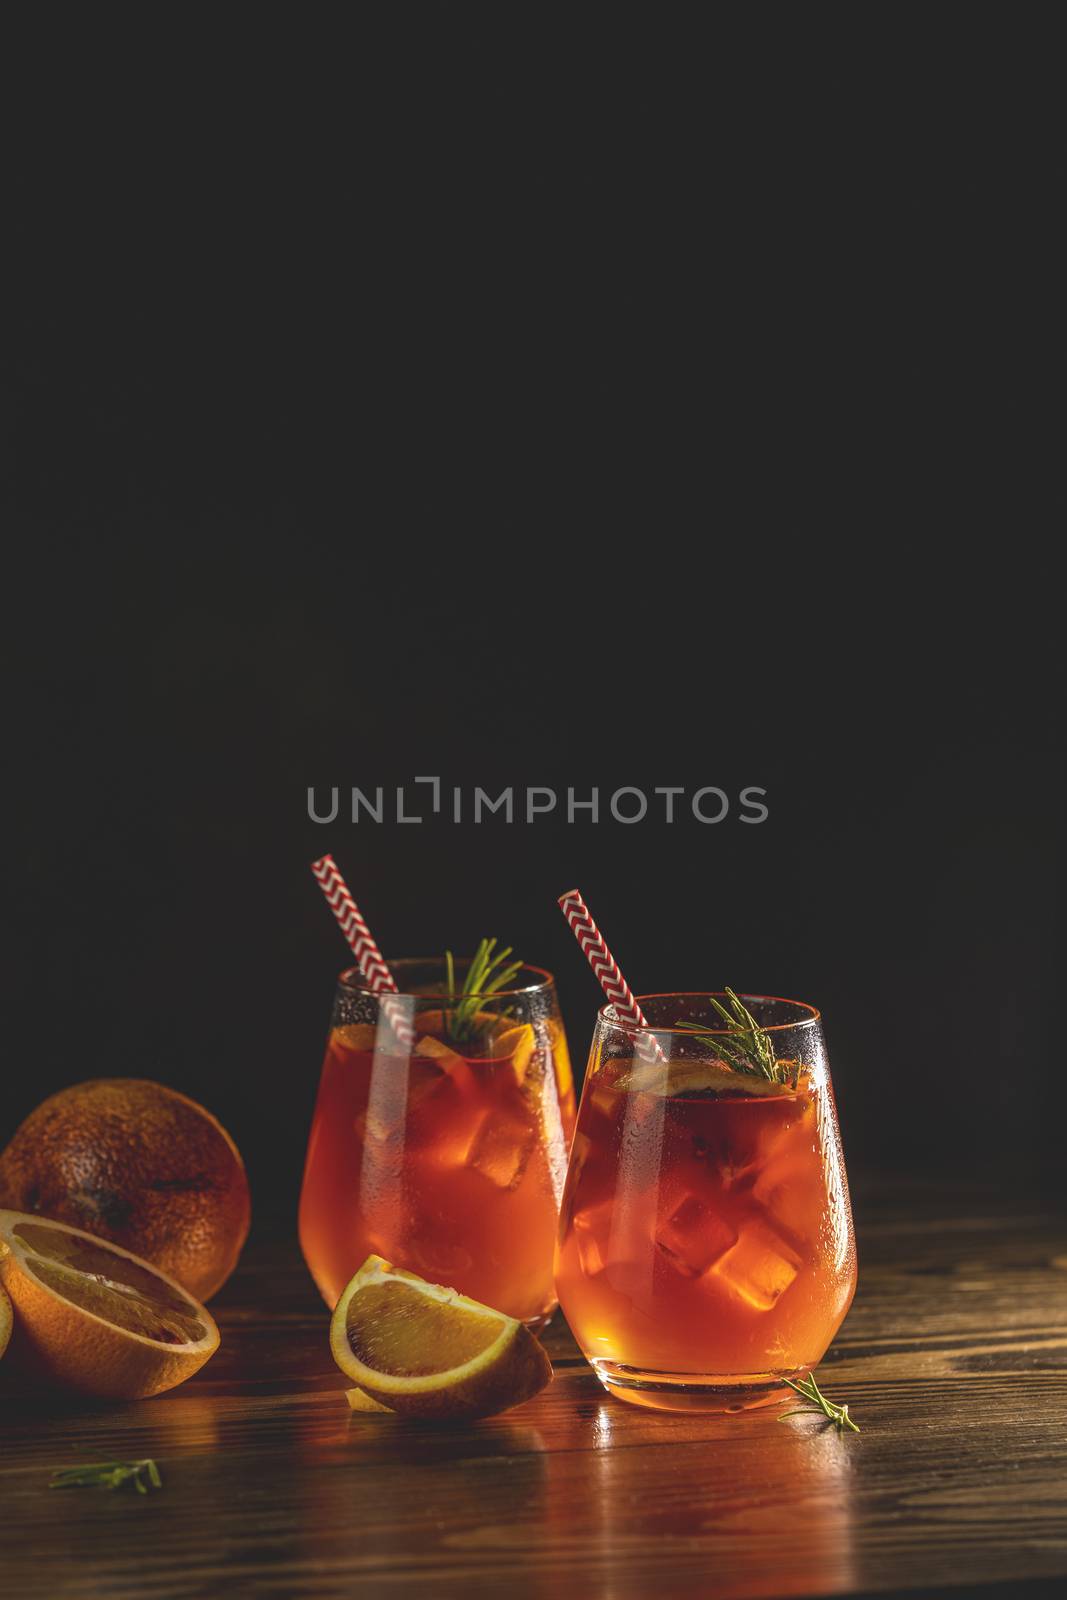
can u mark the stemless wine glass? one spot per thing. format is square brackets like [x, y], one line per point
[705, 1245]
[446, 1154]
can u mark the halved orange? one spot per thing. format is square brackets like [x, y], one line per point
[92, 1317]
[5, 1321]
[427, 1351]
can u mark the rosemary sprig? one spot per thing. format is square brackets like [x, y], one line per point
[144, 1475]
[746, 1047]
[809, 1390]
[486, 975]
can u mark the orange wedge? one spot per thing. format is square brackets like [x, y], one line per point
[5, 1321]
[427, 1351]
[92, 1317]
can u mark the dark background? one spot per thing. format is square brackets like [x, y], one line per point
[605, 411]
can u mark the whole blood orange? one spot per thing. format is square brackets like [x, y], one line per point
[141, 1165]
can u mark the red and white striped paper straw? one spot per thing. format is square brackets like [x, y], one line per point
[605, 968]
[369, 958]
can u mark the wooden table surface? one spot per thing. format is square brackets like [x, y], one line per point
[953, 1359]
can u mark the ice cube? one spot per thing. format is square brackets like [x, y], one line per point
[727, 1164]
[392, 1100]
[443, 1054]
[751, 1136]
[694, 1236]
[790, 1191]
[453, 1070]
[499, 1149]
[760, 1266]
[615, 1239]
[592, 1230]
[603, 1098]
[439, 1260]
[376, 1125]
[736, 1174]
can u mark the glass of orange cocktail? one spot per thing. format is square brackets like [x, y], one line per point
[440, 1142]
[705, 1248]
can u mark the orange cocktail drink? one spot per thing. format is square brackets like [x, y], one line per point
[445, 1155]
[705, 1248]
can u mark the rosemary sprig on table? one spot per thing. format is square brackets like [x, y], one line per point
[486, 975]
[745, 1047]
[144, 1475]
[809, 1390]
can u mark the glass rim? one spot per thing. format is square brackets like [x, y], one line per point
[811, 1014]
[352, 979]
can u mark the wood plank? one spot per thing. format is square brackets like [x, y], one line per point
[954, 1360]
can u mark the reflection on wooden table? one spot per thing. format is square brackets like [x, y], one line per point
[953, 1360]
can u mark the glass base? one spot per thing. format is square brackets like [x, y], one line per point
[689, 1391]
[539, 1324]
